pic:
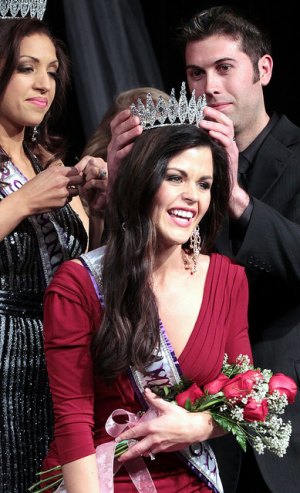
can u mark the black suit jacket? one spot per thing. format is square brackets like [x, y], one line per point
[270, 252]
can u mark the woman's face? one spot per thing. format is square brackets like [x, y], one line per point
[184, 196]
[31, 89]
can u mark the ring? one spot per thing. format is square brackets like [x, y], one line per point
[102, 174]
[151, 455]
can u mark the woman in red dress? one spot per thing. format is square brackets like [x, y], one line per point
[143, 310]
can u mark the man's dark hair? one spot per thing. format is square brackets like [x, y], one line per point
[225, 21]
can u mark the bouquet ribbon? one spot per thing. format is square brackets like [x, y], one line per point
[108, 466]
[105, 455]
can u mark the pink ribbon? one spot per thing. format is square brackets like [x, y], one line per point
[108, 466]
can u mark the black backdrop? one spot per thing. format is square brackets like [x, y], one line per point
[162, 17]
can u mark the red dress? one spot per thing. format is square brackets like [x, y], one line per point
[82, 402]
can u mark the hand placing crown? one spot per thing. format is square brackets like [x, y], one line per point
[172, 112]
[17, 9]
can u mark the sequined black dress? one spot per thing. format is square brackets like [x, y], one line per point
[26, 412]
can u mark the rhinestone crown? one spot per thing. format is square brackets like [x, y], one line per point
[17, 9]
[171, 112]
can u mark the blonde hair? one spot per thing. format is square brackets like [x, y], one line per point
[97, 144]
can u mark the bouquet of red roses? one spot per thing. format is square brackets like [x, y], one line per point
[243, 400]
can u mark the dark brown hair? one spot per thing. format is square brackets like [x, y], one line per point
[129, 331]
[12, 31]
[224, 20]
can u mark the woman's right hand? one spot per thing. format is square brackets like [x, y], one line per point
[51, 189]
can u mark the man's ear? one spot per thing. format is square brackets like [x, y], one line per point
[265, 67]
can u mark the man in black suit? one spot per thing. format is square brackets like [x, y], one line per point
[229, 59]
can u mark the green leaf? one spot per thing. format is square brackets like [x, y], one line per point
[233, 428]
[188, 404]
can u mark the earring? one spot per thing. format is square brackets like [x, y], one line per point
[34, 134]
[195, 245]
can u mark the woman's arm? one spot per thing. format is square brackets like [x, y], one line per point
[46, 191]
[81, 476]
[174, 429]
[71, 313]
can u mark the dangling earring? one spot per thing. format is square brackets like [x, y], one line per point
[195, 245]
[34, 134]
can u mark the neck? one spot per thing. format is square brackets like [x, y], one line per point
[12, 145]
[245, 136]
[168, 263]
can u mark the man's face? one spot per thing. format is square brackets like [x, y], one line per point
[217, 67]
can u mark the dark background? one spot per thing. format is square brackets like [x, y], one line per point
[163, 16]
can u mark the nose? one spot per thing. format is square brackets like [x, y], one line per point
[189, 194]
[212, 85]
[42, 80]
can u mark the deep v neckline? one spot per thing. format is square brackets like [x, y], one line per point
[199, 316]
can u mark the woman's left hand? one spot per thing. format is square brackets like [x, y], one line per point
[93, 190]
[172, 430]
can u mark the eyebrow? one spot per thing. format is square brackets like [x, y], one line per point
[184, 173]
[34, 59]
[216, 62]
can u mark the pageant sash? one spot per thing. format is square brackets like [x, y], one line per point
[199, 457]
[51, 237]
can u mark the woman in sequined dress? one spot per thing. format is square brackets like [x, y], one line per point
[39, 228]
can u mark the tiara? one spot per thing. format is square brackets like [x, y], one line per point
[171, 112]
[17, 9]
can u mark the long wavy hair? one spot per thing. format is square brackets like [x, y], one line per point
[129, 332]
[12, 31]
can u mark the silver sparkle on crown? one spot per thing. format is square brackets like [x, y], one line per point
[17, 9]
[171, 112]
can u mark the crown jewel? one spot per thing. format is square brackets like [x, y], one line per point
[17, 9]
[171, 112]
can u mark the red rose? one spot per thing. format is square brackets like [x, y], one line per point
[216, 385]
[192, 393]
[241, 384]
[256, 411]
[284, 385]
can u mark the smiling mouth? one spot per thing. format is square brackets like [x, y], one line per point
[181, 215]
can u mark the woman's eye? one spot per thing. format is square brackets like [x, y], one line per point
[24, 69]
[174, 178]
[54, 75]
[204, 185]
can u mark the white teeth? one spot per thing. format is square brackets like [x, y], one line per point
[180, 213]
